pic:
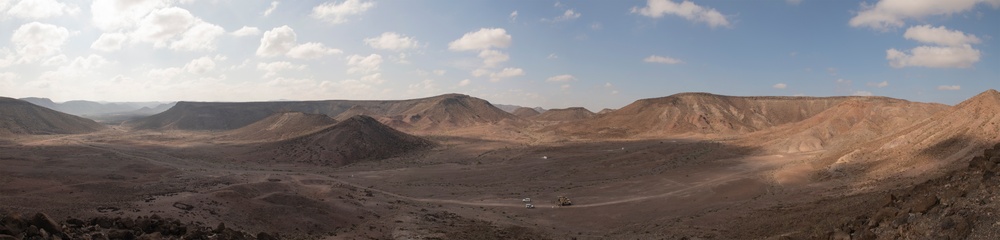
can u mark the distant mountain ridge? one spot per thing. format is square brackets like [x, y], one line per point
[92, 108]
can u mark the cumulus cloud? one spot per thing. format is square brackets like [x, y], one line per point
[566, 16]
[40, 9]
[363, 64]
[113, 15]
[273, 68]
[780, 86]
[889, 14]
[862, 93]
[335, 13]
[391, 41]
[34, 41]
[281, 41]
[561, 78]
[484, 38]
[934, 57]
[277, 41]
[465, 82]
[311, 50]
[687, 10]
[879, 84]
[200, 37]
[109, 42]
[274, 5]
[200, 65]
[949, 88]
[940, 36]
[506, 73]
[163, 24]
[246, 31]
[492, 58]
[513, 16]
[660, 59]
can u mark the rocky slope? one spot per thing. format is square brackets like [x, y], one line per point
[20, 117]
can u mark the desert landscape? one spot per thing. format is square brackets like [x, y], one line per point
[684, 166]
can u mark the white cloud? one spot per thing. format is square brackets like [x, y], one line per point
[200, 65]
[686, 10]
[506, 73]
[565, 87]
[552, 56]
[940, 36]
[246, 31]
[272, 68]
[879, 84]
[163, 24]
[569, 14]
[363, 64]
[39, 9]
[34, 40]
[480, 72]
[862, 93]
[934, 57]
[561, 78]
[949, 88]
[200, 37]
[109, 42]
[281, 41]
[888, 14]
[780, 86]
[57, 60]
[277, 41]
[492, 58]
[484, 38]
[338, 13]
[311, 50]
[113, 15]
[465, 82]
[664, 60]
[439, 72]
[513, 16]
[274, 5]
[391, 41]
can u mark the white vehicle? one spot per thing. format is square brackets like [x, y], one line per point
[526, 200]
[529, 206]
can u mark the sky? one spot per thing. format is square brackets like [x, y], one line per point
[552, 54]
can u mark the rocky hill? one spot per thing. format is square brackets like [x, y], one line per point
[21, 117]
[358, 138]
[525, 112]
[699, 113]
[280, 126]
[844, 125]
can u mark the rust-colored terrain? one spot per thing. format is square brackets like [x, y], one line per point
[685, 166]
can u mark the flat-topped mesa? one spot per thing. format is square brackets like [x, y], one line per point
[21, 117]
[566, 114]
[444, 111]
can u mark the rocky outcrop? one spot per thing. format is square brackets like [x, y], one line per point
[41, 226]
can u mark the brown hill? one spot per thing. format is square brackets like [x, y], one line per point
[847, 123]
[566, 114]
[699, 113]
[20, 117]
[605, 111]
[927, 146]
[280, 126]
[525, 112]
[355, 139]
[445, 111]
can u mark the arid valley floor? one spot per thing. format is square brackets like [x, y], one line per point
[685, 166]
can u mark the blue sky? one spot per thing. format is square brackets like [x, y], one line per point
[553, 54]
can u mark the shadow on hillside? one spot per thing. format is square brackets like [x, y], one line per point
[947, 148]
